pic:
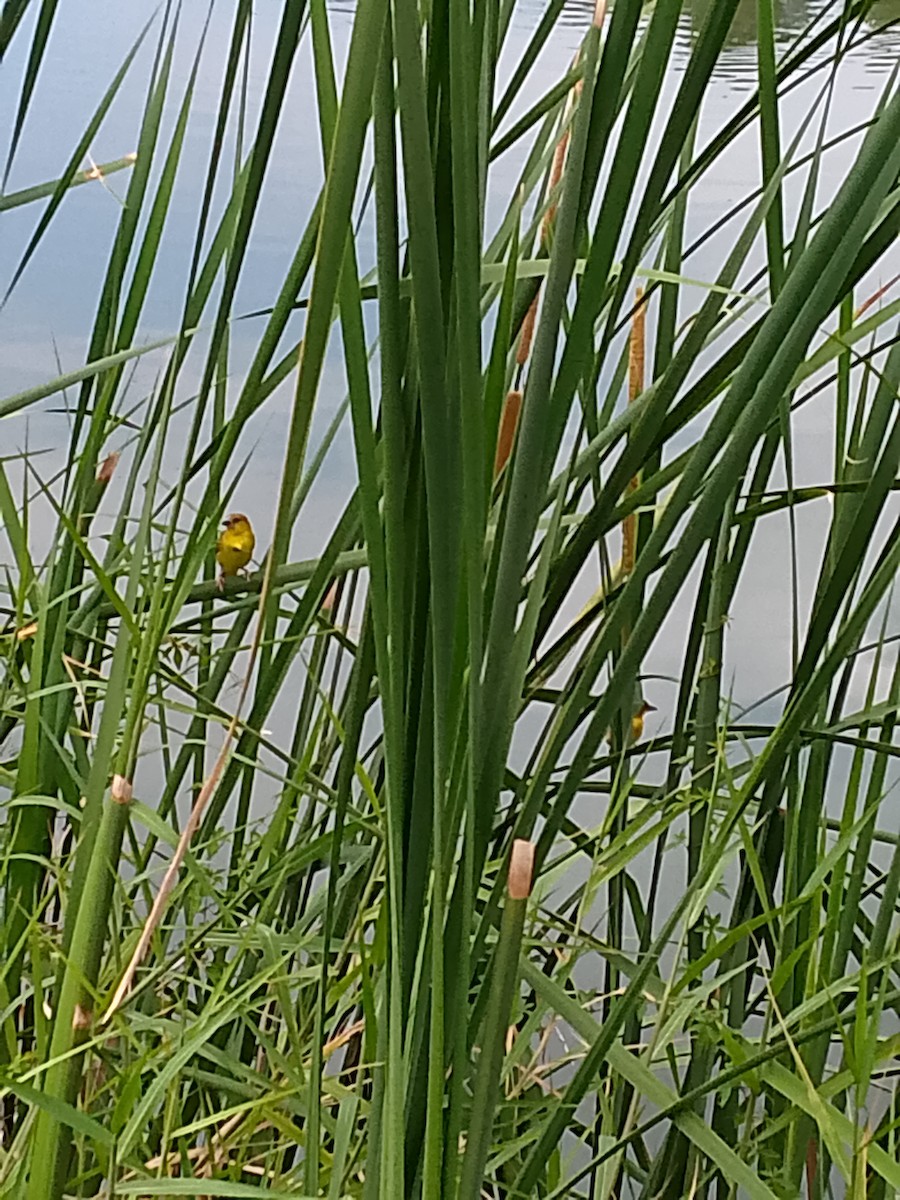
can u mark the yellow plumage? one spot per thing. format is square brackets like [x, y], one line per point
[636, 731]
[637, 721]
[235, 546]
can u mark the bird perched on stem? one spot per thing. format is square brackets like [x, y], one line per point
[637, 721]
[234, 548]
[635, 729]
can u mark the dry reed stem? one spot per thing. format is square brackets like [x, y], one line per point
[875, 297]
[556, 170]
[559, 157]
[529, 1074]
[199, 1154]
[342, 1038]
[205, 795]
[636, 360]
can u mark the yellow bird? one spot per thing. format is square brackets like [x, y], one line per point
[637, 721]
[234, 548]
[639, 711]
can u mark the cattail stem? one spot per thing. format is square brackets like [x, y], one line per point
[503, 985]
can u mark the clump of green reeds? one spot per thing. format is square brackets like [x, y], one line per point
[349, 880]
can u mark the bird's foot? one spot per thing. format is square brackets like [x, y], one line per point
[220, 583]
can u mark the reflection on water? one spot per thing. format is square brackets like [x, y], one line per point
[790, 17]
[738, 59]
[884, 16]
[882, 12]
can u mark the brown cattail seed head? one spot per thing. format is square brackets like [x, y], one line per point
[107, 467]
[509, 420]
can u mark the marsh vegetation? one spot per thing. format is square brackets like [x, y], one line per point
[356, 877]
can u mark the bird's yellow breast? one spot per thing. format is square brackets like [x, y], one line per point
[235, 546]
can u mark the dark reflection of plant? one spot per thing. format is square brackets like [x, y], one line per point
[789, 15]
[884, 12]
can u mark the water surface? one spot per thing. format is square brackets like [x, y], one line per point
[45, 326]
